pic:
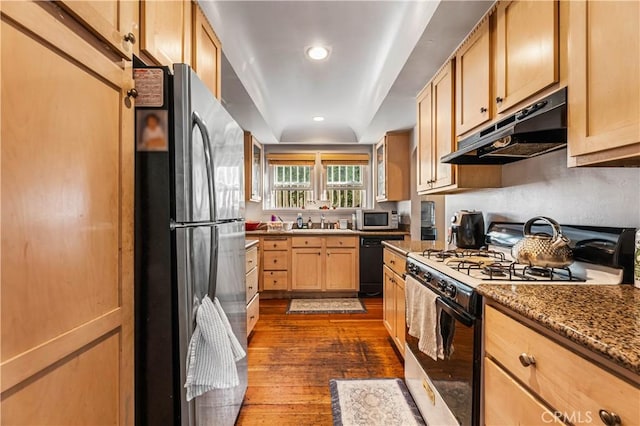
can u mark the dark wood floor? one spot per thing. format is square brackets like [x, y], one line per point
[293, 357]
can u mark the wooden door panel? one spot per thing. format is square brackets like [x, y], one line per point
[307, 269]
[389, 301]
[425, 137]
[207, 57]
[341, 269]
[443, 121]
[163, 26]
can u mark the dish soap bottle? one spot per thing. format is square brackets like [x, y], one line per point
[300, 221]
[309, 224]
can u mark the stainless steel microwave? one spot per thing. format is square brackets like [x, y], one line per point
[375, 220]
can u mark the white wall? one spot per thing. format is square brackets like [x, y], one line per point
[545, 186]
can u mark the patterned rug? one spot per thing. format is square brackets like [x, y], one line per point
[326, 306]
[373, 402]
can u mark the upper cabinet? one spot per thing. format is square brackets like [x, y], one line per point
[526, 54]
[207, 52]
[473, 80]
[165, 29]
[425, 155]
[392, 167]
[604, 83]
[253, 168]
[113, 21]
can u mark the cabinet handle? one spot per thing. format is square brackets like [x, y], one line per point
[609, 418]
[483, 110]
[526, 360]
[132, 93]
[499, 100]
[393, 262]
[319, 253]
[306, 242]
[340, 242]
[252, 317]
[275, 282]
[250, 261]
[250, 287]
[130, 37]
[328, 254]
[275, 245]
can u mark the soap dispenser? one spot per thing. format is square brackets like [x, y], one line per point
[310, 224]
[300, 221]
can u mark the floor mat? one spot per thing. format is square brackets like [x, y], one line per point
[326, 306]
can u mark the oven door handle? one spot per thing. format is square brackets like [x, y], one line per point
[465, 319]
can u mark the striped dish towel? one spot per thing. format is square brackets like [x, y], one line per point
[213, 351]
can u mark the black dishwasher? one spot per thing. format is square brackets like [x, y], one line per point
[371, 263]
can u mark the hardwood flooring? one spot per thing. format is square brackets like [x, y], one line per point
[293, 357]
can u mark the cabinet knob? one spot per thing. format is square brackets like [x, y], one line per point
[251, 261]
[610, 418]
[393, 262]
[275, 260]
[252, 317]
[132, 93]
[526, 360]
[328, 254]
[130, 37]
[275, 245]
[483, 110]
[499, 100]
[319, 253]
[306, 242]
[250, 287]
[275, 282]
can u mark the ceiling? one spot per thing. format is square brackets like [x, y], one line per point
[381, 54]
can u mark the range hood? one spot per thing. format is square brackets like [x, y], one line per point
[534, 130]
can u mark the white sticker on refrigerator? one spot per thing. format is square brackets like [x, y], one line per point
[150, 87]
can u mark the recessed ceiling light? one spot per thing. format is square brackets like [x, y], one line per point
[318, 118]
[317, 53]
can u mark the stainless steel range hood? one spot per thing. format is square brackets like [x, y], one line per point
[532, 131]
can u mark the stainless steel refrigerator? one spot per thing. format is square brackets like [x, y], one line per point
[189, 240]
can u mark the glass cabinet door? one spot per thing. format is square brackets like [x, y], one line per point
[256, 171]
[381, 178]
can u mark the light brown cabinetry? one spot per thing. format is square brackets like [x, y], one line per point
[275, 252]
[251, 280]
[67, 223]
[473, 80]
[604, 83]
[165, 31]
[392, 169]
[207, 52]
[549, 371]
[394, 313]
[307, 268]
[253, 168]
[324, 264]
[526, 55]
[425, 156]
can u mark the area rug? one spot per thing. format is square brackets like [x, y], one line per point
[373, 402]
[326, 306]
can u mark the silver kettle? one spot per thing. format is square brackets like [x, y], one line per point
[543, 250]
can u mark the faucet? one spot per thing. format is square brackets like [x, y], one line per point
[322, 220]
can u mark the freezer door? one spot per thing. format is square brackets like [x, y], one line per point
[209, 154]
[211, 261]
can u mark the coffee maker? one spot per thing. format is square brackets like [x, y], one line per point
[467, 229]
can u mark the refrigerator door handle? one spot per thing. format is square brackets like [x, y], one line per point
[197, 121]
[213, 262]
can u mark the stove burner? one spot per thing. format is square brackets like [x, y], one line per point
[441, 254]
[538, 271]
[494, 271]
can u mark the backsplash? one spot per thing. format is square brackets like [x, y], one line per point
[545, 186]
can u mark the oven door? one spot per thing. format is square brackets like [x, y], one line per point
[447, 391]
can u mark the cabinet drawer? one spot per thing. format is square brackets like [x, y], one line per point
[252, 258]
[568, 382]
[275, 280]
[306, 241]
[341, 241]
[396, 262]
[275, 244]
[522, 409]
[253, 313]
[252, 283]
[276, 260]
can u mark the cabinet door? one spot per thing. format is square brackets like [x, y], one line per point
[381, 170]
[253, 170]
[342, 269]
[527, 50]
[401, 314]
[67, 225]
[473, 81]
[207, 52]
[165, 28]
[307, 269]
[389, 301]
[604, 77]
[114, 21]
[424, 168]
[443, 130]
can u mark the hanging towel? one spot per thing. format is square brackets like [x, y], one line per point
[213, 351]
[423, 318]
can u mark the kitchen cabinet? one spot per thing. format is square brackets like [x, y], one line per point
[207, 52]
[165, 31]
[253, 168]
[526, 55]
[394, 312]
[113, 21]
[307, 269]
[67, 222]
[604, 83]
[548, 371]
[251, 280]
[473, 80]
[435, 129]
[392, 169]
[325, 264]
[341, 271]
[275, 252]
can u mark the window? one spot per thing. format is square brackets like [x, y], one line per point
[292, 186]
[346, 187]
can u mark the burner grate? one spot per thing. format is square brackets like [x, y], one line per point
[442, 255]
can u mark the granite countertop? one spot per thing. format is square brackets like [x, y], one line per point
[602, 318]
[250, 243]
[409, 246]
[317, 231]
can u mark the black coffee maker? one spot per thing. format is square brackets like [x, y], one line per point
[467, 229]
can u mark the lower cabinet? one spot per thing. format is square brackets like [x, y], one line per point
[253, 298]
[394, 310]
[307, 268]
[525, 367]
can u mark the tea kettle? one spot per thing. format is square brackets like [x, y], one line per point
[541, 249]
[467, 229]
